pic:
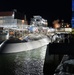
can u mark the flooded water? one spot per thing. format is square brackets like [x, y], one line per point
[23, 63]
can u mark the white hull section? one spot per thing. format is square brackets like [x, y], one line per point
[25, 46]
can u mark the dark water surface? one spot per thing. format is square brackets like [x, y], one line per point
[23, 63]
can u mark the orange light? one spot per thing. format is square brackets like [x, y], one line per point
[67, 25]
[56, 25]
[22, 21]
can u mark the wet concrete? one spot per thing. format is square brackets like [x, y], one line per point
[51, 62]
[54, 54]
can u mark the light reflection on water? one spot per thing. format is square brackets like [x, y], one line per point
[23, 63]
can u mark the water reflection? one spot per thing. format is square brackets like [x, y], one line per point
[23, 63]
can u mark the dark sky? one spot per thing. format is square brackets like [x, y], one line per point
[48, 9]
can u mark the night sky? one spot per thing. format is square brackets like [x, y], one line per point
[48, 9]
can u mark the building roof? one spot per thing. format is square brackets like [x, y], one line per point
[9, 13]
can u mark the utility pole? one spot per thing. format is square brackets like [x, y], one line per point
[25, 20]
